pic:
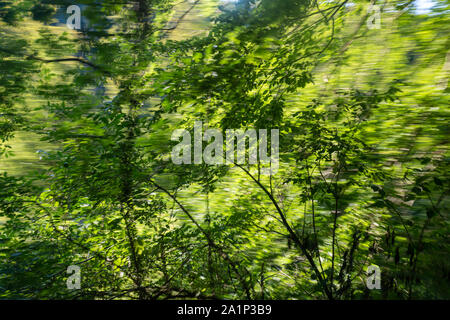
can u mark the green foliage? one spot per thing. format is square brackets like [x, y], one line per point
[364, 162]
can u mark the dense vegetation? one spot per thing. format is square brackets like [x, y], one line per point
[363, 174]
